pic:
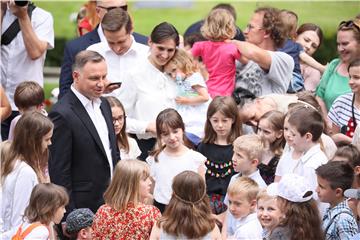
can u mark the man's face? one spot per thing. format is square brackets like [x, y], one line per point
[102, 7]
[118, 41]
[91, 80]
[254, 33]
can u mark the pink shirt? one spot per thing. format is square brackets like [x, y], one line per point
[219, 59]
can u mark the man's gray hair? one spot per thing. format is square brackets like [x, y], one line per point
[84, 57]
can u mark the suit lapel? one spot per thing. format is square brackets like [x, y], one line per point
[81, 112]
[106, 113]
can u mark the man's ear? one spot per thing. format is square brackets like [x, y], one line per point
[149, 42]
[75, 75]
[267, 35]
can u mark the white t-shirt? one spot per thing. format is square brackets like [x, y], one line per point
[244, 228]
[168, 167]
[144, 94]
[15, 195]
[16, 65]
[194, 116]
[134, 150]
[38, 233]
[253, 78]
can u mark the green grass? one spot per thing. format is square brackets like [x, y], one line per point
[324, 13]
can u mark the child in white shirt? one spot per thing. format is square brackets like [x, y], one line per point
[248, 150]
[303, 127]
[241, 220]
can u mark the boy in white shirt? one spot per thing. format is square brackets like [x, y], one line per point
[303, 127]
[248, 150]
[241, 219]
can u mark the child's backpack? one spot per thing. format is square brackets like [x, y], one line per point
[21, 235]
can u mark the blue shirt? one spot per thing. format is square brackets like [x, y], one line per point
[339, 222]
[293, 49]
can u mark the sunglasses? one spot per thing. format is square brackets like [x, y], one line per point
[350, 24]
[125, 7]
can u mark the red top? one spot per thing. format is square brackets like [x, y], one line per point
[84, 24]
[133, 223]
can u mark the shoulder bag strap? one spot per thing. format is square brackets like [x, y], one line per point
[29, 229]
[14, 28]
[333, 219]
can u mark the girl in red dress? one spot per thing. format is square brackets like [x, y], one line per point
[125, 214]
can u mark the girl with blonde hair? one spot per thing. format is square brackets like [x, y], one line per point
[24, 164]
[124, 214]
[217, 55]
[188, 215]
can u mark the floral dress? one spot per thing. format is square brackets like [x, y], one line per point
[135, 222]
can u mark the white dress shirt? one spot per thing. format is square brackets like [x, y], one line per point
[94, 111]
[101, 34]
[16, 65]
[120, 65]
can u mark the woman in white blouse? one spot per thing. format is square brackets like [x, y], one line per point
[147, 90]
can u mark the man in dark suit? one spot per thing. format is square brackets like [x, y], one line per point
[83, 42]
[84, 150]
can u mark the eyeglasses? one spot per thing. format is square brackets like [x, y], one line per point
[350, 24]
[119, 119]
[249, 26]
[125, 7]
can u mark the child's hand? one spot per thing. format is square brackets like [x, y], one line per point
[182, 100]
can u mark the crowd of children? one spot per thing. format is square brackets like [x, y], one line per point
[205, 178]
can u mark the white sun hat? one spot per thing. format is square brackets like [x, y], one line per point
[292, 187]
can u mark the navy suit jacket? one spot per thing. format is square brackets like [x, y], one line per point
[73, 47]
[77, 156]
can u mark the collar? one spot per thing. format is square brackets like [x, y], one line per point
[245, 220]
[101, 34]
[134, 47]
[337, 209]
[254, 174]
[310, 153]
[84, 100]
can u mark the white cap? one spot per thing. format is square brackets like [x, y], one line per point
[292, 187]
[352, 193]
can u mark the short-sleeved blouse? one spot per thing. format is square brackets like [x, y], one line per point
[133, 223]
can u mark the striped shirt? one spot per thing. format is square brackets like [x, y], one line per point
[341, 110]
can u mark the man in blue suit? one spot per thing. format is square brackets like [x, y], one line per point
[83, 42]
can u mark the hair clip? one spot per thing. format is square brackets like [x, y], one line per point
[307, 105]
